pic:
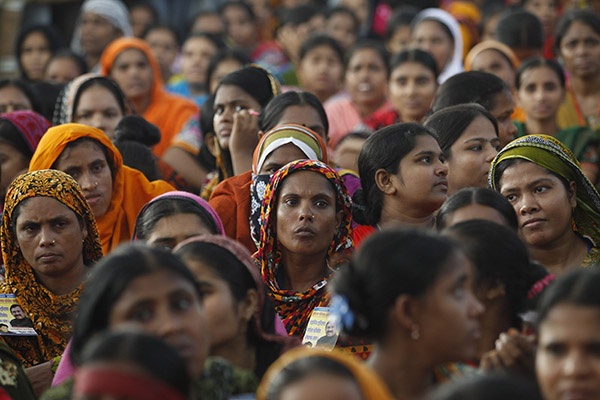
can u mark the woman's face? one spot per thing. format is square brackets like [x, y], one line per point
[493, 62]
[366, 78]
[163, 44]
[229, 100]
[541, 93]
[35, 54]
[567, 358]
[546, 11]
[450, 306]
[421, 179]
[87, 164]
[170, 231]
[50, 241]
[341, 27]
[471, 154]
[307, 219]
[475, 211]
[165, 304]
[430, 36]
[504, 106]
[98, 107]
[322, 386]
[12, 164]
[133, 73]
[224, 68]
[62, 70]
[321, 71]
[304, 115]
[580, 51]
[240, 27]
[225, 317]
[195, 57]
[543, 205]
[13, 99]
[412, 89]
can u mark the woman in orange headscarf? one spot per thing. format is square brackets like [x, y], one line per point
[115, 192]
[129, 61]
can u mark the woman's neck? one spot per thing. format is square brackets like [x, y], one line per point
[65, 283]
[585, 87]
[562, 255]
[365, 110]
[238, 352]
[300, 272]
[546, 126]
[393, 215]
[495, 320]
[141, 104]
[406, 377]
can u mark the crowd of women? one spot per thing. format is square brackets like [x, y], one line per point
[366, 201]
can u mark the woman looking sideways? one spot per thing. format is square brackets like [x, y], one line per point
[557, 207]
[401, 289]
[403, 178]
[468, 136]
[241, 317]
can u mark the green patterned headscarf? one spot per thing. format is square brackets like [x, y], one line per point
[551, 154]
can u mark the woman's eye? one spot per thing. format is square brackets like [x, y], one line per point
[321, 204]
[142, 315]
[540, 189]
[511, 197]
[239, 108]
[426, 160]
[182, 303]
[219, 110]
[476, 148]
[291, 202]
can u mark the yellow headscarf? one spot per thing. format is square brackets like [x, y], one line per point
[51, 314]
[371, 385]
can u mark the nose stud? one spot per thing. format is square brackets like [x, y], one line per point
[96, 184]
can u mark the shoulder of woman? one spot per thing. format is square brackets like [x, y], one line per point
[221, 380]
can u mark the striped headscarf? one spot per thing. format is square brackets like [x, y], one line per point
[549, 153]
[293, 307]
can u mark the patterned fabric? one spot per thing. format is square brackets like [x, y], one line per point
[307, 141]
[548, 152]
[293, 307]
[51, 314]
[131, 189]
[30, 124]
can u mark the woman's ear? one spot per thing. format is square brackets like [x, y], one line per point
[210, 142]
[404, 313]
[573, 194]
[383, 180]
[249, 305]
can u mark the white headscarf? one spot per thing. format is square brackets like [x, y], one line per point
[114, 11]
[455, 64]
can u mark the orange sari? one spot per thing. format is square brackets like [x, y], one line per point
[131, 189]
[167, 111]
